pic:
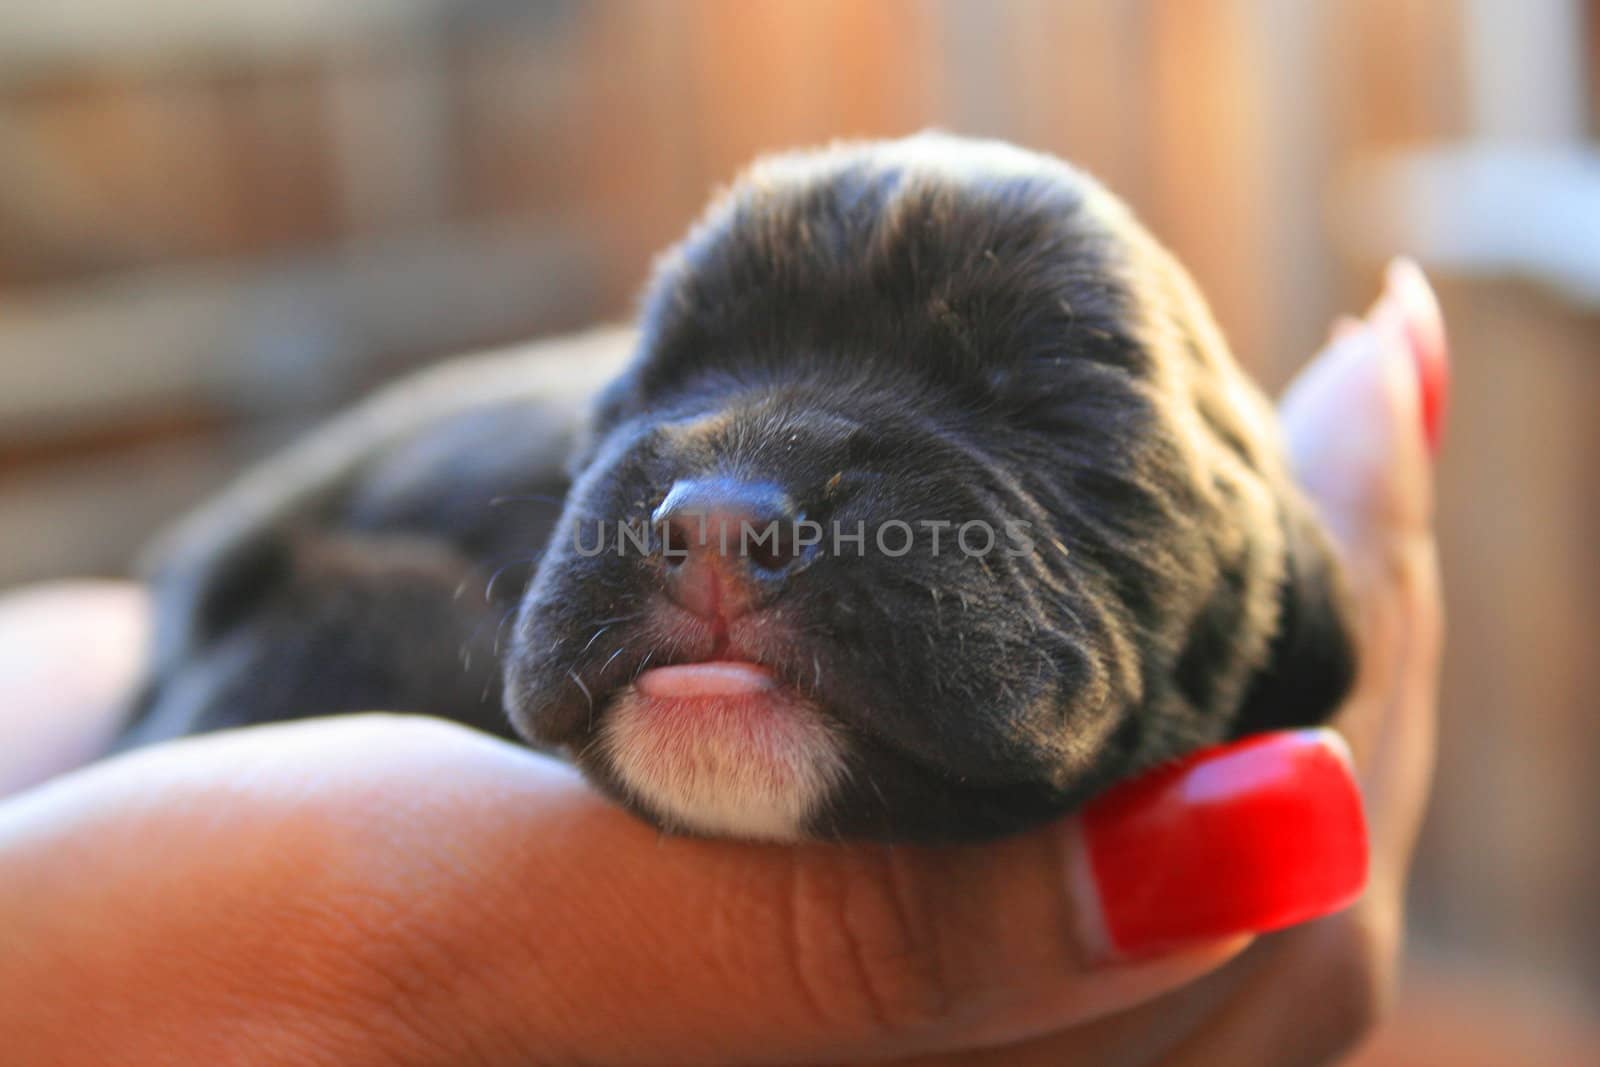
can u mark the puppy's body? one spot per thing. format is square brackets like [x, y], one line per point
[934, 334]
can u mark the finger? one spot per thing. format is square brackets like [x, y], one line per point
[1361, 422]
[440, 888]
[70, 654]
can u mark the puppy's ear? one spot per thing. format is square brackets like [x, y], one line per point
[1312, 660]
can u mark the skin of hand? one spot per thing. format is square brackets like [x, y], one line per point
[397, 890]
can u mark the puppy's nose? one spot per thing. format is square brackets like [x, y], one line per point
[727, 543]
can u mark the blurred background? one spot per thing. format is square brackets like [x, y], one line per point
[219, 221]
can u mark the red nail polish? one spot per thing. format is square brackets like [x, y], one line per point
[1424, 327]
[1244, 838]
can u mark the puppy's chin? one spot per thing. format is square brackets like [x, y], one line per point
[721, 749]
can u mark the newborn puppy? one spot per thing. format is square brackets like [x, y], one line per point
[929, 504]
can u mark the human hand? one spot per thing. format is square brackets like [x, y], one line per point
[388, 890]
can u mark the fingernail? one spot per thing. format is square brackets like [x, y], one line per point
[1243, 838]
[1422, 326]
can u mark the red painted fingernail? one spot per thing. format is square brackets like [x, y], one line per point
[1244, 838]
[1424, 329]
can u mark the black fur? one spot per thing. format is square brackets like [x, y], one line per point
[924, 330]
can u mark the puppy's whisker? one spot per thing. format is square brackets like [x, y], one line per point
[588, 748]
[613, 657]
[488, 588]
[597, 635]
[500, 628]
[464, 650]
[619, 618]
[586, 694]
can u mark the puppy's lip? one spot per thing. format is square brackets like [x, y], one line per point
[719, 747]
[709, 679]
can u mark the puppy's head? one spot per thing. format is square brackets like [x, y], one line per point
[896, 516]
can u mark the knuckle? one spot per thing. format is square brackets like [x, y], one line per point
[868, 944]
